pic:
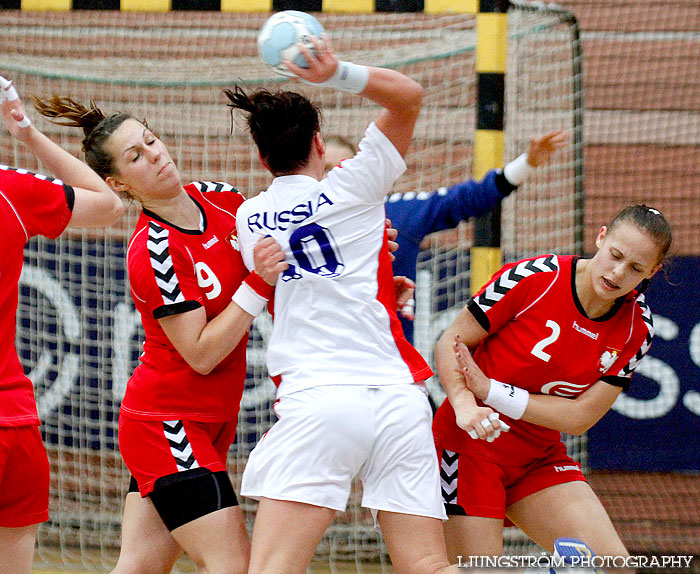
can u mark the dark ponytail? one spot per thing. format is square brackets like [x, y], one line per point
[97, 127]
[282, 124]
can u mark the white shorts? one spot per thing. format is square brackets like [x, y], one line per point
[326, 435]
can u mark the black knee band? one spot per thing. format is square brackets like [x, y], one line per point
[185, 496]
[133, 485]
[455, 510]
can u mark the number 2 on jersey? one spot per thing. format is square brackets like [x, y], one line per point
[315, 251]
[538, 349]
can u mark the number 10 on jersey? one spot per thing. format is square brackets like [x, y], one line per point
[315, 251]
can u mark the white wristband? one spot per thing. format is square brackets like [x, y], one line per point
[248, 300]
[517, 170]
[7, 90]
[348, 77]
[507, 399]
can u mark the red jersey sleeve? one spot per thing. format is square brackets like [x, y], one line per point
[162, 273]
[221, 195]
[512, 289]
[42, 204]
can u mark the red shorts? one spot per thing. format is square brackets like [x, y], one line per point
[474, 486]
[152, 449]
[24, 477]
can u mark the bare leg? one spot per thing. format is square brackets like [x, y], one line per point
[568, 510]
[17, 549]
[416, 544]
[286, 535]
[473, 536]
[217, 543]
[147, 546]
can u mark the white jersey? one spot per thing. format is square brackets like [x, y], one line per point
[335, 308]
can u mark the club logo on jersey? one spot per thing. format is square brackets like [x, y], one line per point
[563, 389]
[607, 359]
[233, 240]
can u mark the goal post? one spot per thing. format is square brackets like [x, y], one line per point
[490, 68]
[79, 335]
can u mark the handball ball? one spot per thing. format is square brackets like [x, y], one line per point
[279, 36]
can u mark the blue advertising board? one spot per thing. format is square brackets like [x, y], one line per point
[655, 425]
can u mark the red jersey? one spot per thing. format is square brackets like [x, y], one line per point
[540, 339]
[30, 205]
[174, 270]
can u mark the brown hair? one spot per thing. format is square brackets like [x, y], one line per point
[282, 125]
[649, 220]
[96, 126]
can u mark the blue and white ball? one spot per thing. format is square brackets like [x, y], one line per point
[279, 36]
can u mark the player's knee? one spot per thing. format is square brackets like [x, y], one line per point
[431, 564]
[140, 565]
[610, 545]
[222, 565]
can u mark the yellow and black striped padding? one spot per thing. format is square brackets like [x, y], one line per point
[491, 47]
[353, 6]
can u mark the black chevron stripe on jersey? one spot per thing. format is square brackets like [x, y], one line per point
[187, 464]
[646, 312]
[162, 264]
[545, 263]
[449, 469]
[649, 321]
[180, 446]
[167, 275]
[502, 289]
[495, 291]
[172, 426]
[214, 186]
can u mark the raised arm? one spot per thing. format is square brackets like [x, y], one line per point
[400, 96]
[96, 205]
[418, 215]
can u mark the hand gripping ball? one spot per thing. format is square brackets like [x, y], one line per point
[279, 37]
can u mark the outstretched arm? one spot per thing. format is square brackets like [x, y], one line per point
[96, 205]
[539, 152]
[419, 214]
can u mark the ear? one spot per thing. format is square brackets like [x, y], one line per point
[320, 144]
[655, 270]
[117, 185]
[601, 236]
